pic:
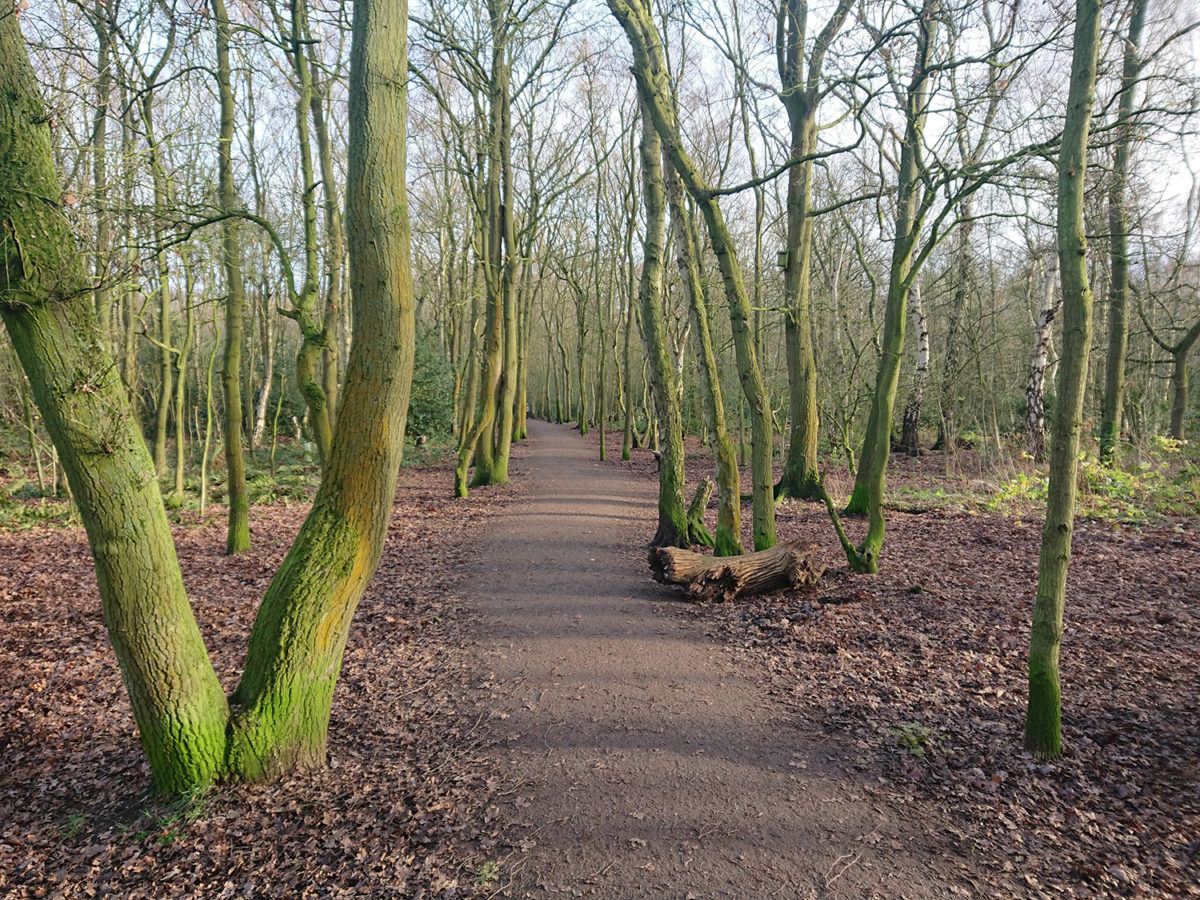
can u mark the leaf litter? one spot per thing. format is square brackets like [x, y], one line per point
[404, 804]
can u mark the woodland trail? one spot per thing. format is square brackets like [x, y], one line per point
[645, 763]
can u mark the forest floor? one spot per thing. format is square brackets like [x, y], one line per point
[522, 712]
[920, 675]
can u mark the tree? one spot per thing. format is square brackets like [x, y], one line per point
[728, 539]
[654, 87]
[672, 517]
[277, 718]
[1043, 715]
[801, 94]
[1118, 238]
[237, 536]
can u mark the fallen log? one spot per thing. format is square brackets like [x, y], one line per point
[721, 579]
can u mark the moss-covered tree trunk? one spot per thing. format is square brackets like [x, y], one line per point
[1179, 385]
[672, 516]
[507, 395]
[1118, 239]
[630, 279]
[654, 88]
[470, 392]
[280, 711]
[867, 495]
[1044, 715]
[282, 704]
[46, 306]
[180, 365]
[479, 444]
[334, 239]
[306, 308]
[102, 26]
[728, 540]
[800, 94]
[237, 536]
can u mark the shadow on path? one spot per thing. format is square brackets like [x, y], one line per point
[647, 765]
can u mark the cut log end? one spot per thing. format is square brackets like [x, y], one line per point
[709, 579]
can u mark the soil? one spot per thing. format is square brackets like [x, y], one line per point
[646, 761]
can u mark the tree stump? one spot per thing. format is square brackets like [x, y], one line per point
[722, 579]
[697, 532]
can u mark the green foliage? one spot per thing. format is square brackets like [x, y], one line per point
[431, 405]
[914, 737]
[289, 483]
[23, 505]
[438, 450]
[1166, 483]
[72, 826]
[488, 874]
[165, 823]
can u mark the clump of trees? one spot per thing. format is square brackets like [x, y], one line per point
[780, 227]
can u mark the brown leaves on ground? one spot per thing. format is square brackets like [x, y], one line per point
[405, 790]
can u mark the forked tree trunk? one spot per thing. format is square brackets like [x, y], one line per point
[867, 495]
[280, 710]
[728, 541]
[801, 95]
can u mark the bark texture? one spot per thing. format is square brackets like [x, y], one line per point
[1043, 721]
[177, 701]
[707, 578]
[238, 530]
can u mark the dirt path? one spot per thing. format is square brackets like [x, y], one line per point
[647, 764]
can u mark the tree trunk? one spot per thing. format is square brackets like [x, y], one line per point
[1179, 391]
[306, 307]
[800, 96]
[181, 361]
[1043, 716]
[283, 700]
[910, 429]
[1118, 240]
[672, 519]
[507, 395]
[335, 250]
[238, 532]
[1035, 393]
[480, 442]
[868, 490]
[104, 83]
[655, 90]
[728, 541]
[697, 531]
[179, 705]
[708, 579]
